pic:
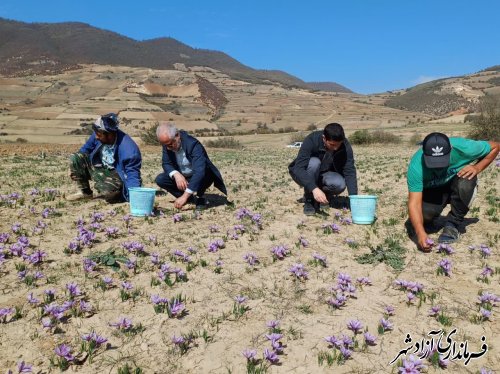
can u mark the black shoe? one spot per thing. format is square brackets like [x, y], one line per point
[449, 235]
[201, 204]
[310, 207]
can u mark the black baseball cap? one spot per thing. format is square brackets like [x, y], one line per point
[437, 149]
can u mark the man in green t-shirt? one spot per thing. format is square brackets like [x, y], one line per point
[442, 173]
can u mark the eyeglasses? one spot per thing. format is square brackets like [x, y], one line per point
[171, 143]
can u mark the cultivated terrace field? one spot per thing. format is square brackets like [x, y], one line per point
[253, 286]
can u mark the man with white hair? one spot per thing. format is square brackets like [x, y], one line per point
[110, 158]
[187, 169]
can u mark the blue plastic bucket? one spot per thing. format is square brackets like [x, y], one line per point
[363, 209]
[142, 200]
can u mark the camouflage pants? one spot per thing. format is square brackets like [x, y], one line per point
[82, 171]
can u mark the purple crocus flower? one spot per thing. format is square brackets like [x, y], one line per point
[485, 313]
[33, 300]
[445, 266]
[108, 281]
[485, 250]
[369, 338]
[434, 311]
[122, 324]
[319, 258]
[127, 286]
[5, 312]
[22, 367]
[176, 217]
[16, 227]
[299, 271]
[277, 346]
[274, 336]
[280, 251]
[251, 259]
[216, 245]
[355, 326]
[346, 352]
[364, 281]
[334, 341]
[411, 365]
[178, 340]
[386, 324]
[85, 306]
[271, 356]
[131, 263]
[487, 272]
[93, 337]
[155, 258]
[175, 308]
[249, 354]
[73, 289]
[112, 231]
[445, 248]
[273, 324]
[240, 299]
[89, 265]
[64, 351]
[303, 242]
[411, 297]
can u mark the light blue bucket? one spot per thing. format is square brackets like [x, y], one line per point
[142, 200]
[363, 208]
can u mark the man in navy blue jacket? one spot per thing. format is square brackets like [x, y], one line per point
[110, 158]
[187, 169]
[324, 167]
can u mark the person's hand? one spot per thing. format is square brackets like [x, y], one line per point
[72, 176]
[425, 243]
[181, 201]
[469, 172]
[319, 196]
[180, 181]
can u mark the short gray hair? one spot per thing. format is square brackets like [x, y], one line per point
[166, 128]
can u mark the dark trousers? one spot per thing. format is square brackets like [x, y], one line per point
[459, 193]
[164, 181]
[330, 182]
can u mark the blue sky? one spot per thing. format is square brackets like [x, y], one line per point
[368, 46]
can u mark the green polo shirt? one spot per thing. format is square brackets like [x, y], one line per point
[463, 152]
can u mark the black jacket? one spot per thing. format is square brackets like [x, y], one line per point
[197, 156]
[343, 162]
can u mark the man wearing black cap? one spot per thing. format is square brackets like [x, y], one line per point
[442, 173]
[110, 158]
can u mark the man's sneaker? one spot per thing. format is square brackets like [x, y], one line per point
[80, 195]
[449, 235]
[310, 207]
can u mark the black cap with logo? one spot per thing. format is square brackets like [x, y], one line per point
[437, 149]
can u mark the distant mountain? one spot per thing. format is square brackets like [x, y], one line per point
[30, 48]
[328, 86]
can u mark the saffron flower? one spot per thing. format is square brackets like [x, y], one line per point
[445, 248]
[485, 313]
[319, 259]
[216, 245]
[355, 326]
[299, 271]
[364, 281]
[485, 250]
[385, 324]
[123, 324]
[73, 289]
[177, 217]
[64, 351]
[240, 299]
[434, 311]
[445, 267]
[249, 354]
[369, 338]
[334, 341]
[251, 259]
[411, 365]
[280, 251]
[273, 324]
[271, 356]
[22, 367]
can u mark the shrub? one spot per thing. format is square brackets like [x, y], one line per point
[487, 125]
[228, 142]
[21, 140]
[148, 136]
[312, 127]
[415, 139]
[377, 136]
[297, 137]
